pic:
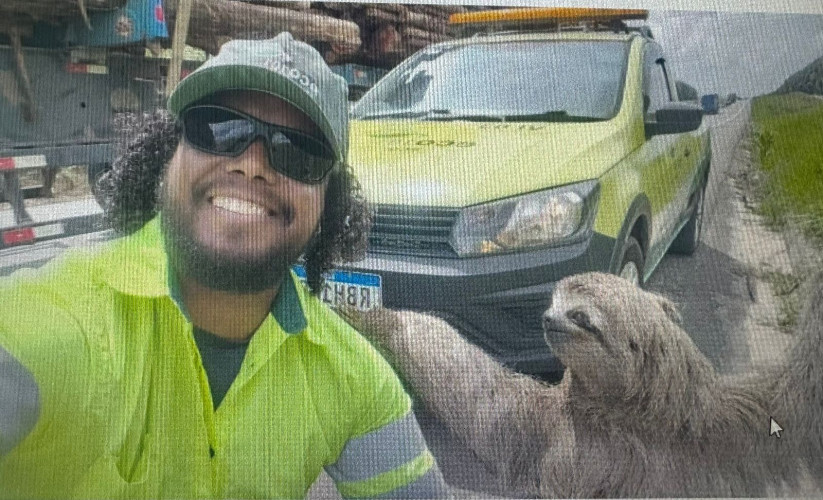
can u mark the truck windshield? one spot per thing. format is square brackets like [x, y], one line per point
[510, 81]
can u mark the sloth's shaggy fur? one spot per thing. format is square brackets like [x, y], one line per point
[640, 411]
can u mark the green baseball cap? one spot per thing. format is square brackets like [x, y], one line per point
[282, 66]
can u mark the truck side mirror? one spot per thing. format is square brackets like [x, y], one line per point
[675, 118]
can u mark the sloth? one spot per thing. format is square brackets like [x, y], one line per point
[639, 412]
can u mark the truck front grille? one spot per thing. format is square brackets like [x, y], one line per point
[408, 230]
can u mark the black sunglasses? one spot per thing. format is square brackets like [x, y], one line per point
[226, 132]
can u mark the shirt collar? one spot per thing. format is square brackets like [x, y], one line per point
[138, 265]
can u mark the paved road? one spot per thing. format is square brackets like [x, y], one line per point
[708, 287]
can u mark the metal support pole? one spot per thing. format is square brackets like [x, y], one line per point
[178, 44]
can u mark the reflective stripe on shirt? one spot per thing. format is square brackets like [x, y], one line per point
[430, 485]
[372, 460]
[19, 402]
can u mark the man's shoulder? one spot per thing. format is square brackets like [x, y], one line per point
[344, 345]
[374, 390]
[329, 329]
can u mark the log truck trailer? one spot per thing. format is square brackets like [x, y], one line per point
[61, 85]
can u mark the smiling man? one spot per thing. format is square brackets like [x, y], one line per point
[185, 359]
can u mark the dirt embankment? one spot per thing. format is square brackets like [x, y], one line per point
[777, 260]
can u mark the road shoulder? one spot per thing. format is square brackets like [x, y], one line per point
[775, 263]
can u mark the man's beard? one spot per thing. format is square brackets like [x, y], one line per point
[237, 274]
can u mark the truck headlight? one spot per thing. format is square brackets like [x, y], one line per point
[538, 219]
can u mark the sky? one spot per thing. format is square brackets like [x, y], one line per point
[742, 52]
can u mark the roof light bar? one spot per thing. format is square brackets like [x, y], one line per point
[546, 16]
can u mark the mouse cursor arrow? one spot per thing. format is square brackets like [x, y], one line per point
[774, 428]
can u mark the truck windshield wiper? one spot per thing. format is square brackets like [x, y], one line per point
[447, 115]
[552, 116]
[434, 115]
[392, 114]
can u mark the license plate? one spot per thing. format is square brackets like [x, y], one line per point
[362, 291]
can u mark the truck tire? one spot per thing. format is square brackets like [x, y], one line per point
[688, 239]
[631, 262]
[95, 172]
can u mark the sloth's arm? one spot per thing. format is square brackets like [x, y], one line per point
[511, 421]
[797, 393]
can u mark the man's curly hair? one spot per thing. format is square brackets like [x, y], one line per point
[129, 194]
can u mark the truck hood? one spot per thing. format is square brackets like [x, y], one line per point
[457, 164]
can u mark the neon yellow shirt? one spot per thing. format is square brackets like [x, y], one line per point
[123, 407]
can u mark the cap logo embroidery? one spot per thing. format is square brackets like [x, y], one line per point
[291, 60]
[282, 64]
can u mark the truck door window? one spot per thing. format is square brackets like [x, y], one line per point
[656, 91]
[670, 85]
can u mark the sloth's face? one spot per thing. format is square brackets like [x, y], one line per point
[598, 325]
[573, 320]
[576, 331]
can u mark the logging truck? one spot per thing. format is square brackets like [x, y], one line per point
[62, 81]
[68, 68]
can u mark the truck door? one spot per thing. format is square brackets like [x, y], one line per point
[664, 178]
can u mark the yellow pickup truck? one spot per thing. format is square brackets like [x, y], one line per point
[548, 143]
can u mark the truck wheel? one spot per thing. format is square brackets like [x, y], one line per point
[95, 172]
[689, 238]
[631, 264]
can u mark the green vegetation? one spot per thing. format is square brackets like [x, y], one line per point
[788, 133]
[783, 286]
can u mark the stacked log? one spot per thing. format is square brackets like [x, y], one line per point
[389, 32]
[214, 22]
[301, 6]
[379, 34]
